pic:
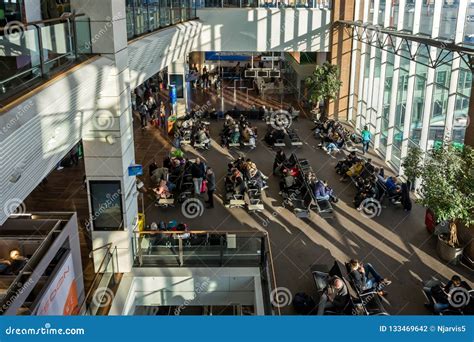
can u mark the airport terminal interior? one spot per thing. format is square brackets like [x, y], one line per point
[236, 157]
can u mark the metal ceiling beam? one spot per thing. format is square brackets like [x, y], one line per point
[383, 38]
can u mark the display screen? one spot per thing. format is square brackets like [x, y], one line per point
[178, 81]
[106, 203]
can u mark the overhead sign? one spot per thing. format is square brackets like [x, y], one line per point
[135, 170]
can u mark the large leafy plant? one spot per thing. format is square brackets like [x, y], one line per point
[412, 163]
[324, 83]
[447, 186]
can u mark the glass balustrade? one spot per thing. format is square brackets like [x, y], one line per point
[145, 16]
[38, 51]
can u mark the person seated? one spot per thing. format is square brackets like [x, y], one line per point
[162, 190]
[202, 138]
[237, 180]
[235, 135]
[322, 191]
[366, 278]
[354, 170]
[441, 294]
[367, 190]
[334, 146]
[250, 168]
[335, 296]
[248, 136]
[343, 165]
[392, 185]
[257, 177]
[14, 264]
[288, 181]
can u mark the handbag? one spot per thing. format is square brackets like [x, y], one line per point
[204, 186]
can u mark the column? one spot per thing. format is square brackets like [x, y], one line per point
[341, 46]
[108, 137]
[177, 76]
[469, 137]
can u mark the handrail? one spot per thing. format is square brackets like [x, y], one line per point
[172, 232]
[30, 265]
[98, 275]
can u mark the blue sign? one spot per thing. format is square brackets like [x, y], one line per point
[173, 94]
[222, 56]
[135, 170]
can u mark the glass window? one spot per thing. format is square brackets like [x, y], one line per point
[409, 16]
[381, 18]
[370, 18]
[418, 101]
[469, 26]
[383, 137]
[426, 21]
[449, 15]
[460, 118]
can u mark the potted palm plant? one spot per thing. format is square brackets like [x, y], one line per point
[323, 84]
[447, 190]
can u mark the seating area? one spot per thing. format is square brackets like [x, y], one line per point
[357, 303]
[244, 184]
[178, 179]
[297, 187]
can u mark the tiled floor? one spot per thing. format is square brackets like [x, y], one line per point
[395, 242]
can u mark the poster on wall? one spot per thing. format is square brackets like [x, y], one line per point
[60, 297]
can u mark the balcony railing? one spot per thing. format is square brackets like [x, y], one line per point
[31, 53]
[321, 4]
[144, 16]
[154, 248]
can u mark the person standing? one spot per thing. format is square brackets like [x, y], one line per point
[198, 172]
[366, 137]
[143, 110]
[211, 187]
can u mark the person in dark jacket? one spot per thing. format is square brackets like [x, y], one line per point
[443, 294]
[335, 295]
[280, 158]
[198, 172]
[211, 187]
[366, 278]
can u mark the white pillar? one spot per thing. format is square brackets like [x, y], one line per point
[108, 137]
[456, 64]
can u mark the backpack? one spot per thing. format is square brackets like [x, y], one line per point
[303, 303]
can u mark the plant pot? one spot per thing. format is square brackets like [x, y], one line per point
[446, 252]
[430, 221]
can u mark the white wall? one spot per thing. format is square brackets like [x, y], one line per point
[261, 29]
[188, 286]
